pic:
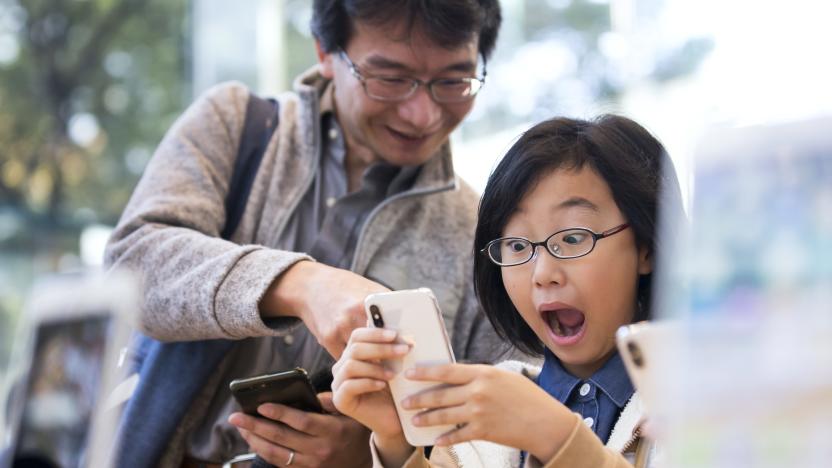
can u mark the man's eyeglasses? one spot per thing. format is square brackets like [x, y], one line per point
[567, 243]
[399, 88]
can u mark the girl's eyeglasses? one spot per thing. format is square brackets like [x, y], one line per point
[399, 88]
[566, 243]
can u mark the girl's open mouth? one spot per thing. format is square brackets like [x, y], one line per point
[567, 326]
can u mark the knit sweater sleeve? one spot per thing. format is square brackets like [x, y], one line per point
[195, 284]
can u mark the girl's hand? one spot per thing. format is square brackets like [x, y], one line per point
[491, 404]
[359, 382]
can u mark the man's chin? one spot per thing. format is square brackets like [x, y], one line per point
[397, 157]
[409, 151]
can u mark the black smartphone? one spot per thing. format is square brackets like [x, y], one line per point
[290, 388]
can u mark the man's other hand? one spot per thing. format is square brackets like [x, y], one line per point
[308, 439]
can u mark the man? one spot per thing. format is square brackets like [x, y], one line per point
[355, 194]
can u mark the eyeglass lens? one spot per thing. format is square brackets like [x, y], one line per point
[448, 90]
[566, 244]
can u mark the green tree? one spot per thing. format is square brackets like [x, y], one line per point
[87, 89]
[556, 57]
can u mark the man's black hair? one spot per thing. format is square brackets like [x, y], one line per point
[450, 23]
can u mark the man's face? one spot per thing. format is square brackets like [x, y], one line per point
[407, 132]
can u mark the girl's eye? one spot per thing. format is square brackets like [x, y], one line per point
[517, 246]
[574, 238]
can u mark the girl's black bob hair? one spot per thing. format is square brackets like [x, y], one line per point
[633, 163]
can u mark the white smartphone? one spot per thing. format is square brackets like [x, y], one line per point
[416, 316]
[73, 331]
[646, 349]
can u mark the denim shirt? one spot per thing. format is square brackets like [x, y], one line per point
[598, 399]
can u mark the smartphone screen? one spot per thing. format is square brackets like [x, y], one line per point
[62, 390]
[290, 388]
[414, 314]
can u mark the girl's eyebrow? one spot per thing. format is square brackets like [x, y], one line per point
[378, 61]
[577, 202]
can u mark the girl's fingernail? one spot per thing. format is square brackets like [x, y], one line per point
[389, 334]
[401, 349]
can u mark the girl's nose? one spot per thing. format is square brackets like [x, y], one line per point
[547, 269]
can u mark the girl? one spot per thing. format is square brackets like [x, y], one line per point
[565, 246]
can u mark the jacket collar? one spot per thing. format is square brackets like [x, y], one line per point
[628, 423]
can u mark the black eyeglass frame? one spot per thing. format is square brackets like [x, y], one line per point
[414, 83]
[596, 236]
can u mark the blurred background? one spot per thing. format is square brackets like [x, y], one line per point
[88, 88]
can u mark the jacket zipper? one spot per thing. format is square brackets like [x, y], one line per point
[454, 456]
[380, 206]
[636, 435]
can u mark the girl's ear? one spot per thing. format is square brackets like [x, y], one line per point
[325, 59]
[645, 261]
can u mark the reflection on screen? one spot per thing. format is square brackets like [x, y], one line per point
[62, 390]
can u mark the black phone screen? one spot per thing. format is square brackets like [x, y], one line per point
[62, 390]
[288, 388]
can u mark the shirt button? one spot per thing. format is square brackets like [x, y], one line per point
[330, 201]
[584, 390]
[288, 339]
[589, 422]
[333, 133]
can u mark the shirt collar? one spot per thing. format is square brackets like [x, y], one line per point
[612, 379]
[555, 379]
[335, 146]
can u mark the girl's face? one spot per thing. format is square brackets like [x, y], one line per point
[575, 305]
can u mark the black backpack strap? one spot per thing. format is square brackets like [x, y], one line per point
[162, 395]
[262, 117]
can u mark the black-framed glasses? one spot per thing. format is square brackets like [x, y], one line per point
[398, 88]
[566, 243]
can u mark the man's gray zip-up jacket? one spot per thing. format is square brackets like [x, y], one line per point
[198, 286]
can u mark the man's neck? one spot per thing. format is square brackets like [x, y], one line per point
[356, 161]
[357, 157]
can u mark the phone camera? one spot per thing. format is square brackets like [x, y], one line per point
[375, 313]
[635, 354]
